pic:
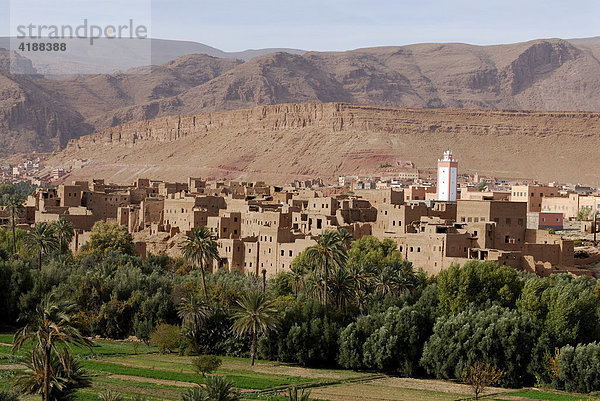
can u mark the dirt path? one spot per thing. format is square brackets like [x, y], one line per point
[435, 385]
[6, 345]
[154, 381]
[397, 389]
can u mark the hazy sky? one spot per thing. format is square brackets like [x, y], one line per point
[326, 24]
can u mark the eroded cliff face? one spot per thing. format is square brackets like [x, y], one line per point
[31, 120]
[331, 139]
[340, 117]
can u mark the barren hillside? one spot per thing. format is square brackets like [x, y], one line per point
[286, 141]
[551, 74]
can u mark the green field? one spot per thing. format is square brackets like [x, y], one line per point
[548, 396]
[140, 370]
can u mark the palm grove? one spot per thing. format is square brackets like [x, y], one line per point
[345, 303]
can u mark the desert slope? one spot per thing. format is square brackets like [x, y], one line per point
[281, 142]
[551, 74]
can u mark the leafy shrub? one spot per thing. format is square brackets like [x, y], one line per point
[110, 395]
[165, 338]
[206, 364]
[217, 388]
[8, 395]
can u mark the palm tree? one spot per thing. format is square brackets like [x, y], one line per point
[192, 311]
[345, 237]
[394, 278]
[341, 287]
[66, 375]
[297, 275]
[313, 284]
[193, 314]
[64, 233]
[48, 327]
[217, 388]
[303, 396]
[255, 315]
[386, 281]
[201, 249]
[110, 395]
[195, 394]
[14, 206]
[328, 251]
[42, 240]
[360, 278]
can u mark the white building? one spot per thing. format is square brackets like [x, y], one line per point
[447, 177]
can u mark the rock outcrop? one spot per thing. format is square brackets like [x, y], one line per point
[331, 139]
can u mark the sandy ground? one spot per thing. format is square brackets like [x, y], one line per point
[397, 389]
[155, 381]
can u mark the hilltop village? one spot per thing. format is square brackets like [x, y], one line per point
[261, 228]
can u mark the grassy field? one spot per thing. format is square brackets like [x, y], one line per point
[545, 395]
[140, 370]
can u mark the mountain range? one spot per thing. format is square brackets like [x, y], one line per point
[41, 113]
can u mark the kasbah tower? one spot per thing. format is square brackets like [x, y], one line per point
[446, 177]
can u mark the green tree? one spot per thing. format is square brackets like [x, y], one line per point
[372, 254]
[341, 287]
[165, 338]
[14, 207]
[64, 233]
[345, 237]
[329, 251]
[390, 341]
[354, 337]
[477, 283]
[360, 280]
[42, 241]
[394, 278]
[193, 314]
[397, 345]
[206, 364]
[567, 306]
[107, 237]
[502, 337]
[297, 277]
[66, 375]
[304, 335]
[579, 367]
[254, 316]
[49, 327]
[201, 249]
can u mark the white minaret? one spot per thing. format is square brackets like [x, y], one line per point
[447, 177]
